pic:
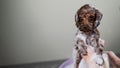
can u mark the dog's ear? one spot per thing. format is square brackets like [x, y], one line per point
[77, 20]
[98, 17]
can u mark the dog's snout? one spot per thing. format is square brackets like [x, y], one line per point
[85, 27]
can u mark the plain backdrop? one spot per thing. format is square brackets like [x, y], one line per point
[43, 30]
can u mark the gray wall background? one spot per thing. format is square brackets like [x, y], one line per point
[43, 30]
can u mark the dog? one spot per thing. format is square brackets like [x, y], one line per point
[87, 20]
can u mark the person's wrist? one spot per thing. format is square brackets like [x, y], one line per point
[117, 62]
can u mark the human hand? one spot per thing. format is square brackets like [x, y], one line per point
[90, 52]
[90, 56]
[114, 60]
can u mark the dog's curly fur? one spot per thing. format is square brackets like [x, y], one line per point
[87, 20]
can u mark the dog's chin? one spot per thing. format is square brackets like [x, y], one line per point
[85, 29]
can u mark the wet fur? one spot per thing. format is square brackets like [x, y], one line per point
[87, 20]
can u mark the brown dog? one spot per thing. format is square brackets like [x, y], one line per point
[87, 20]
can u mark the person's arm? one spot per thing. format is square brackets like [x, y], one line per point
[114, 58]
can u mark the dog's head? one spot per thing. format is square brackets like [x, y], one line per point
[87, 18]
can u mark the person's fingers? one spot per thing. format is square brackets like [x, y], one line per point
[113, 58]
[112, 55]
[89, 55]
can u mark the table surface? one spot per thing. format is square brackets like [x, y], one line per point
[49, 64]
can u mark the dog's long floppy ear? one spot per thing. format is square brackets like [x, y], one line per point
[76, 17]
[98, 17]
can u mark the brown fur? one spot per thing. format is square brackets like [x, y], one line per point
[87, 20]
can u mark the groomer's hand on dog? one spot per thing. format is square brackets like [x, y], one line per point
[89, 55]
[90, 52]
[88, 58]
[114, 60]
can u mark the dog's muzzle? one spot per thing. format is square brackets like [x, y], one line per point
[85, 28]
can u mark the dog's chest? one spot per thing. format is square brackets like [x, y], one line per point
[91, 41]
[86, 40]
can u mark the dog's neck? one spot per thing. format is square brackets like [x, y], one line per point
[89, 33]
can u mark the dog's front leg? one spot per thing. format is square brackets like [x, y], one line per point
[76, 56]
[78, 59]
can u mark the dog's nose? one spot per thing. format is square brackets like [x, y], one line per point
[85, 27]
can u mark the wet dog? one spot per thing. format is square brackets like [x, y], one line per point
[87, 20]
